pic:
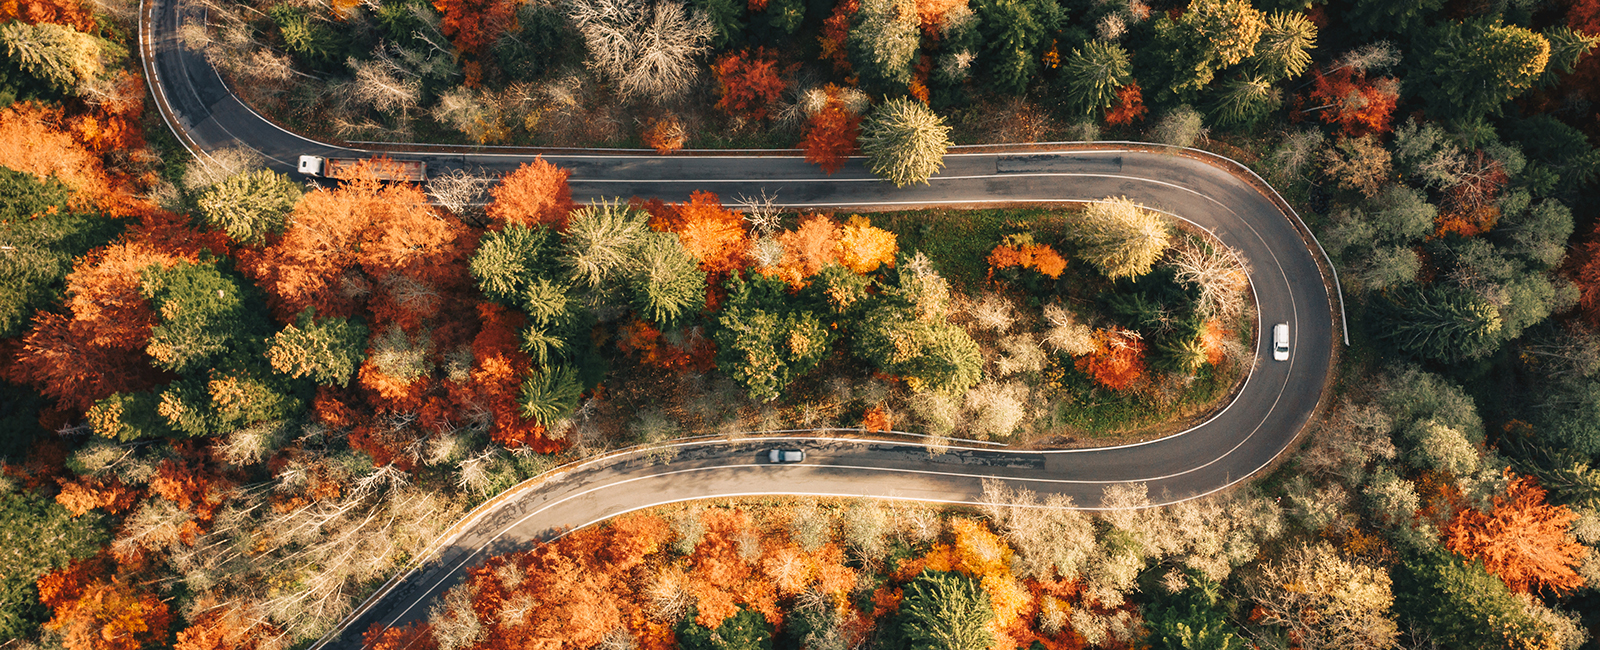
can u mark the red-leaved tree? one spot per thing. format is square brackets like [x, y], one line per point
[1129, 107]
[1583, 268]
[474, 25]
[98, 348]
[749, 81]
[498, 368]
[415, 636]
[831, 134]
[835, 31]
[1349, 99]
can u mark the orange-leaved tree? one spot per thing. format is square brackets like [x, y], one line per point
[665, 134]
[226, 627]
[413, 636]
[877, 418]
[696, 353]
[498, 367]
[105, 293]
[71, 13]
[33, 141]
[87, 493]
[66, 366]
[97, 349]
[711, 233]
[979, 552]
[336, 234]
[114, 122]
[1020, 251]
[574, 591]
[1471, 206]
[1118, 359]
[1583, 267]
[191, 485]
[749, 81]
[1524, 540]
[94, 612]
[932, 15]
[537, 193]
[831, 133]
[806, 249]
[722, 577]
[863, 248]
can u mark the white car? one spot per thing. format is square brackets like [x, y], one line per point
[1280, 342]
[786, 456]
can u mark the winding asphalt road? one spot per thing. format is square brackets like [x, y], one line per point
[1275, 403]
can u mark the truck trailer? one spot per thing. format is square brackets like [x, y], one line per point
[390, 170]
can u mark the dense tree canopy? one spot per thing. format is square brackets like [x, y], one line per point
[38, 535]
[1120, 238]
[1461, 604]
[1338, 603]
[667, 284]
[1470, 69]
[1439, 323]
[930, 354]
[883, 43]
[1284, 50]
[57, 55]
[44, 236]
[904, 141]
[1093, 75]
[230, 400]
[510, 262]
[1210, 35]
[946, 610]
[326, 351]
[251, 205]
[763, 342]
[1013, 32]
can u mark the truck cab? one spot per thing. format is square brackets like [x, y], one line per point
[311, 165]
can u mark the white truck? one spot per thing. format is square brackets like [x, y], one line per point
[387, 170]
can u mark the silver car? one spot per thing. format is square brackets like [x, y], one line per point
[786, 456]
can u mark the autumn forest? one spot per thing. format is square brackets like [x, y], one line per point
[235, 401]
